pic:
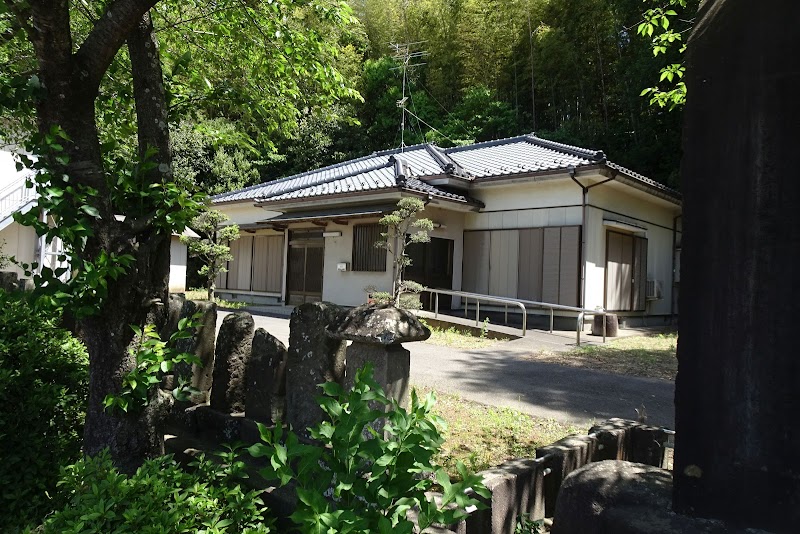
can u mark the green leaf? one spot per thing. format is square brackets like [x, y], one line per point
[91, 211]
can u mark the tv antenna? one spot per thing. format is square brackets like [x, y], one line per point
[408, 58]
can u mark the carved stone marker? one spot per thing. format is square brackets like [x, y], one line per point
[377, 333]
[263, 375]
[313, 358]
[230, 361]
[201, 344]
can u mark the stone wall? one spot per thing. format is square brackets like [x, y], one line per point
[256, 379]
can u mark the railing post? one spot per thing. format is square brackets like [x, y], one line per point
[466, 307]
[604, 327]
[524, 320]
[436, 310]
[506, 314]
[551, 320]
[477, 312]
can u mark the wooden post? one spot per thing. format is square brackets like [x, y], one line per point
[737, 402]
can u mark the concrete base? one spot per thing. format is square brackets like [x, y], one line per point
[626, 498]
[250, 298]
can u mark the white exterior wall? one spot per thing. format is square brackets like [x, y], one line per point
[245, 212]
[178, 255]
[531, 205]
[21, 242]
[546, 203]
[347, 288]
[620, 203]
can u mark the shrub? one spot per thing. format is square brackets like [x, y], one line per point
[43, 391]
[358, 479]
[159, 497]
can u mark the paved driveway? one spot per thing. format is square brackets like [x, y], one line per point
[500, 376]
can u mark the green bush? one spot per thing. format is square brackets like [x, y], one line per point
[43, 391]
[358, 479]
[159, 497]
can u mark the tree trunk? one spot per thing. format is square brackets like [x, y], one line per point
[736, 399]
[71, 81]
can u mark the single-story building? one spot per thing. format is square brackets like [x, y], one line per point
[521, 217]
[22, 243]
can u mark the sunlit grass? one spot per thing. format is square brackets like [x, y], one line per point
[647, 356]
[485, 436]
[202, 294]
[459, 338]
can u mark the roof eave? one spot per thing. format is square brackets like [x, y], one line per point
[662, 192]
[339, 198]
[446, 180]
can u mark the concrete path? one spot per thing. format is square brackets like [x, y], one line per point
[500, 376]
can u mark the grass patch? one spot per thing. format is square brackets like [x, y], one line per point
[202, 294]
[458, 338]
[485, 436]
[648, 356]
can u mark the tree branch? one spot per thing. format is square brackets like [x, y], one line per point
[108, 35]
[149, 98]
[22, 17]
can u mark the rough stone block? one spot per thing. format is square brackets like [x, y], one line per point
[217, 426]
[313, 358]
[9, 280]
[647, 445]
[563, 457]
[248, 431]
[517, 490]
[613, 439]
[625, 498]
[380, 325]
[230, 361]
[26, 284]
[264, 373]
[612, 325]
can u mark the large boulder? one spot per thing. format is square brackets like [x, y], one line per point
[625, 498]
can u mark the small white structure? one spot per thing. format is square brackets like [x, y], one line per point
[178, 259]
[522, 217]
[25, 246]
[16, 240]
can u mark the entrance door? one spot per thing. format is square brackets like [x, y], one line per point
[432, 266]
[306, 260]
[626, 272]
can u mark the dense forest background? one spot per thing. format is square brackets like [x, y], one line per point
[568, 70]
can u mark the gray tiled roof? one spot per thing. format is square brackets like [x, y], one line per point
[406, 170]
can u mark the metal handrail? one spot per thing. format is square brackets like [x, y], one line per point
[520, 303]
[13, 196]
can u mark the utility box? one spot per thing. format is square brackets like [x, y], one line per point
[343, 266]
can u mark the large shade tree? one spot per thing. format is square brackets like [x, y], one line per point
[63, 67]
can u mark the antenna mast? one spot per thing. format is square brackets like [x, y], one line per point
[404, 54]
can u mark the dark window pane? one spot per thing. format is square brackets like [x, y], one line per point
[366, 256]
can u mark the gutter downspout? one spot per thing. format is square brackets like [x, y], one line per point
[672, 286]
[584, 194]
[585, 202]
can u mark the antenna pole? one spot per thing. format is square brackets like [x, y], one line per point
[402, 52]
[403, 103]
